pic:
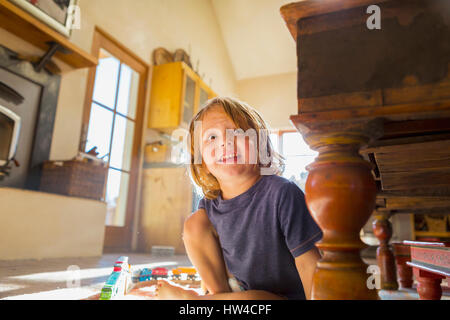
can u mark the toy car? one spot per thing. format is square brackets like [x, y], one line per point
[158, 273]
[176, 274]
[121, 263]
[115, 286]
[145, 274]
[191, 272]
[135, 274]
[119, 281]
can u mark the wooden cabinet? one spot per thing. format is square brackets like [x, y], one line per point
[177, 92]
[166, 202]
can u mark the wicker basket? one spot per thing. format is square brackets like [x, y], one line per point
[74, 178]
[436, 223]
[162, 56]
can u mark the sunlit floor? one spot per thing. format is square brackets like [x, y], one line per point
[58, 278]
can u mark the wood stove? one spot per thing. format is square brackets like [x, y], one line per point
[28, 101]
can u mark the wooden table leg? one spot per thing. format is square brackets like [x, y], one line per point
[429, 285]
[340, 193]
[402, 254]
[382, 229]
[404, 272]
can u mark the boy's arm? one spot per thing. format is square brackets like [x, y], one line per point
[306, 265]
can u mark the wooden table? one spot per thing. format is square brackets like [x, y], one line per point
[431, 263]
[375, 105]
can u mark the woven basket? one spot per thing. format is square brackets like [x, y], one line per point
[74, 178]
[162, 56]
[436, 223]
[181, 55]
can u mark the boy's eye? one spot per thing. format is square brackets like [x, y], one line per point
[211, 137]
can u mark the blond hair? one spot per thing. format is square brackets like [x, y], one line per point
[244, 117]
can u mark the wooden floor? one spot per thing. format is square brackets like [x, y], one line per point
[48, 279]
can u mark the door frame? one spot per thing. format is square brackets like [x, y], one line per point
[120, 238]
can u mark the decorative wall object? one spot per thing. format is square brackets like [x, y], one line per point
[58, 14]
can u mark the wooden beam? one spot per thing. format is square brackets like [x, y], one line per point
[416, 192]
[417, 202]
[379, 145]
[395, 128]
[401, 112]
[431, 178]
[434, 211]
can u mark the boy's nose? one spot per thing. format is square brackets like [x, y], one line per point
[229, 142]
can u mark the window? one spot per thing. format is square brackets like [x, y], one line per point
[297, 154]
[111, 129]
[113, 125]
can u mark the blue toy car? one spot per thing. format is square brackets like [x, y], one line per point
[145, 274]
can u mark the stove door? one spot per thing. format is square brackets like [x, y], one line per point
[9, 134]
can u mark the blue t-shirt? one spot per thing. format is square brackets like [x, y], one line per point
[262, 231]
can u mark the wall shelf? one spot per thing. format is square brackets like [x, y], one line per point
[30, 29]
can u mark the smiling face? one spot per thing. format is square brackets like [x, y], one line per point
[226, 155]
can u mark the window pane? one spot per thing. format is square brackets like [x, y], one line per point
[296, 169]
[106, 79]
[294, 145]
[99, 132]
[189, 99]
[274, 139]
[203, 97]
[116, 197]
[122, 144]
[128, 91]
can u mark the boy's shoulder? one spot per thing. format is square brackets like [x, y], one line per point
[280, 185]
[283, 192]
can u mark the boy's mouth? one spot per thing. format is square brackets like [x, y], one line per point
[231, 158]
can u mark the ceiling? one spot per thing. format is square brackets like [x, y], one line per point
[257, 39]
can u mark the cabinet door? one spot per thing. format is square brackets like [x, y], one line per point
[204, 96]
[166, 98]
[205, 93]
[166, 203]
[189, 99]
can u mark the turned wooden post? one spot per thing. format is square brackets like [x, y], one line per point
[382, 229]
[340, 194]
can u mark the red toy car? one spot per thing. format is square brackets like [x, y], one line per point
[159, 273]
